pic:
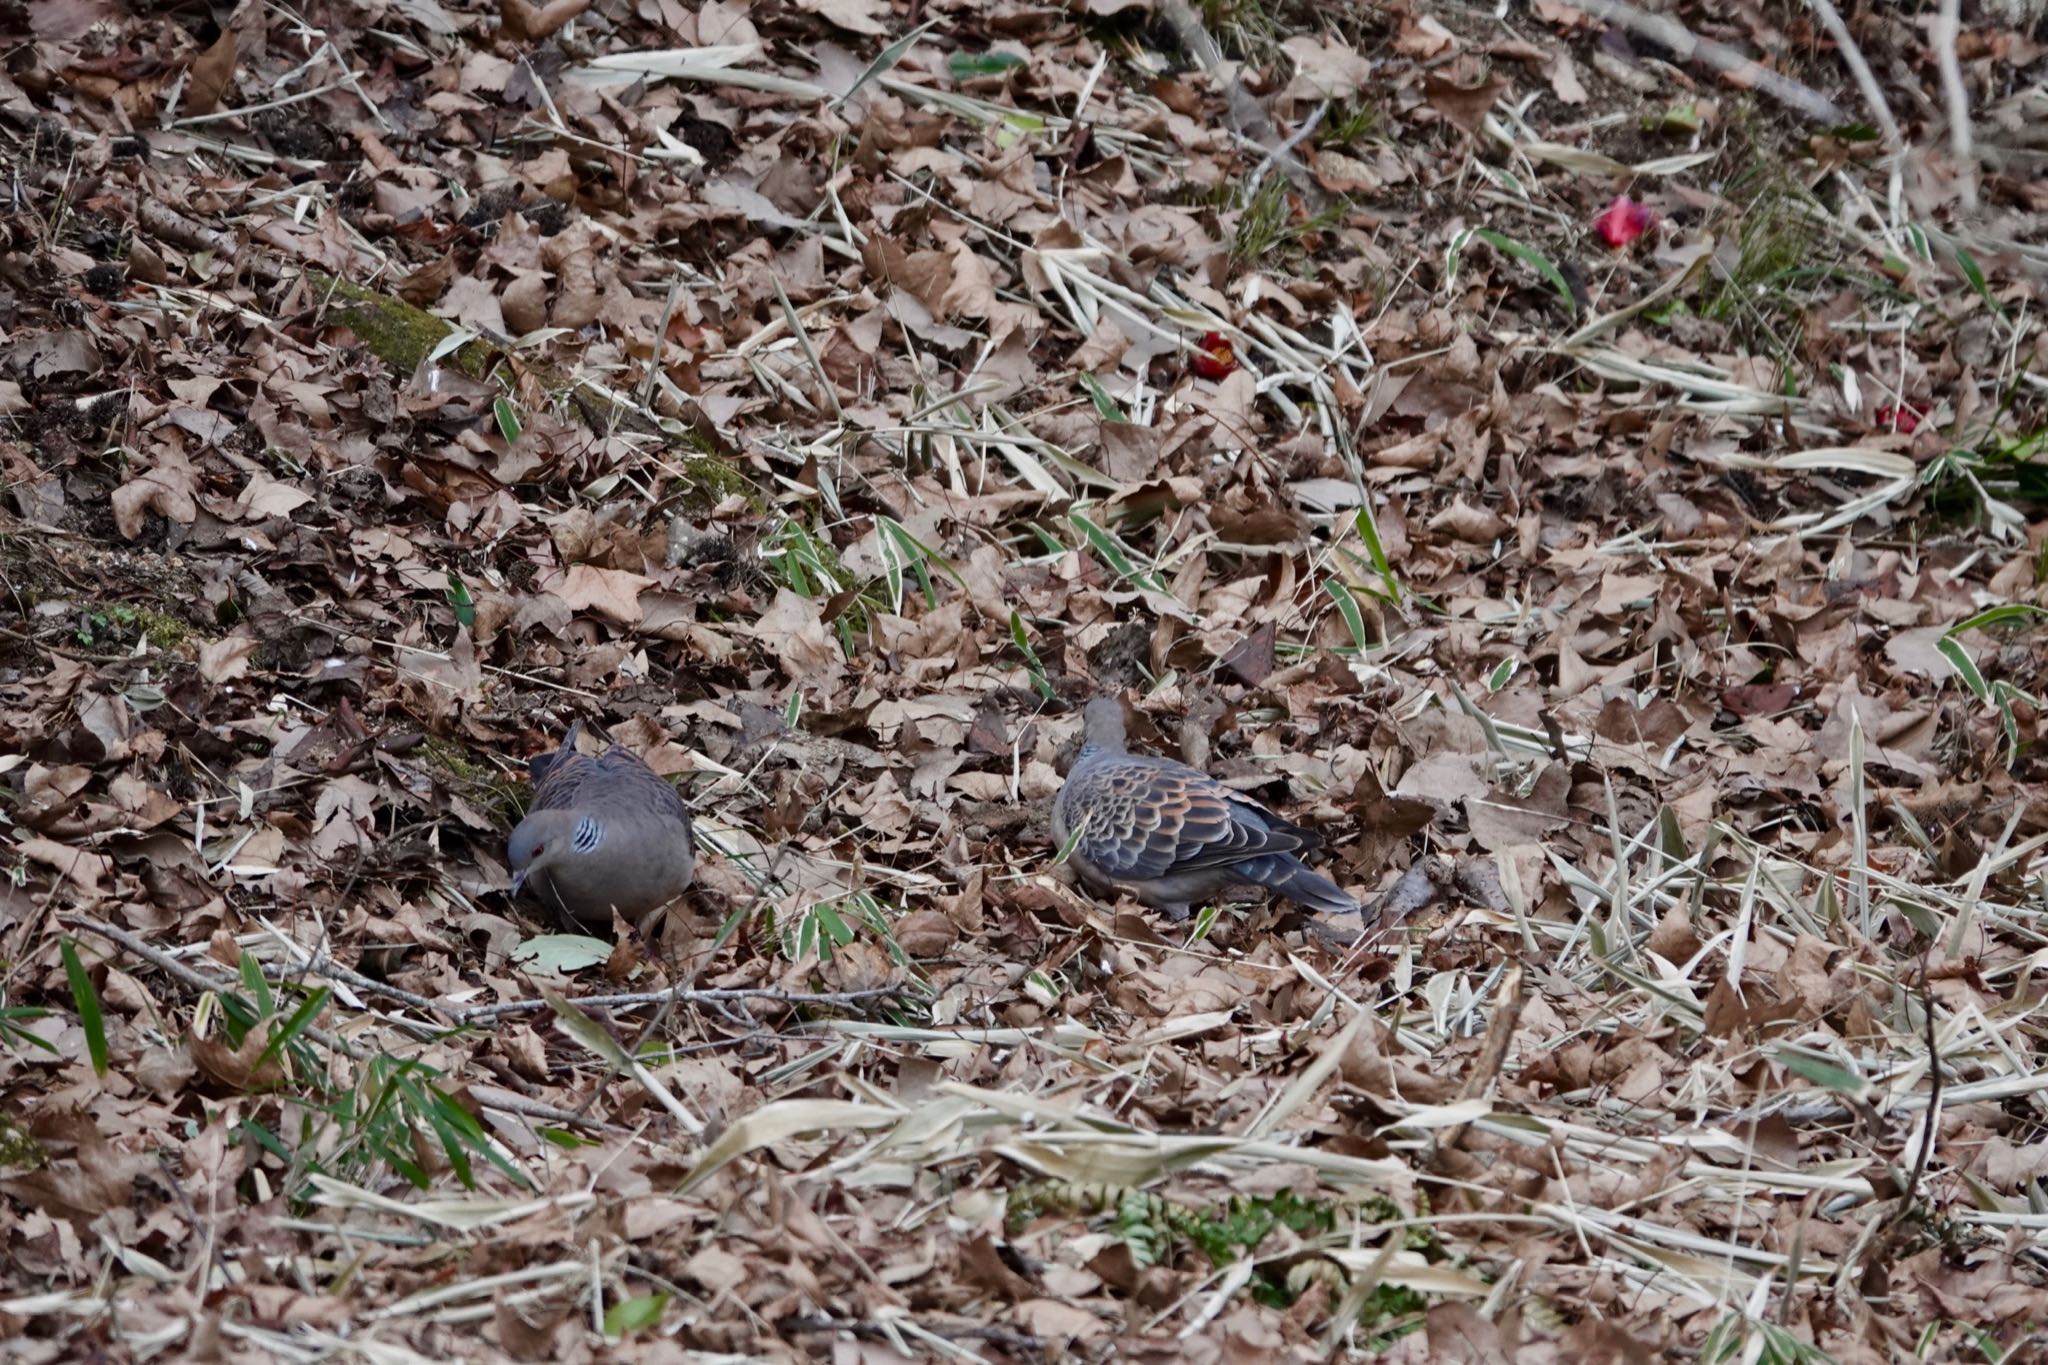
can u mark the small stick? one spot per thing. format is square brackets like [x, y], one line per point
[491, 1098]
[197, 981]
[76, 656]
[668, 312]
[327, 967]
[1285, 149]
[504, 1007]
[1493, 1055]
[1676, 36]
[1852, 57]
[1947, 28]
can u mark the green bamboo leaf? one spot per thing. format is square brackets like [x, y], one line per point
[1347, 607]
[1105, 407]
[1107, 547]
[1975, 275]
[459, 599]
[87, 1001]
[1535, 260]
[1073, 839]
[1369, 532]
[1823, 1072]
[1998, 615]
[508, 419]
[1959, 659]
[967, 66]
[886, 60]
[251, 973]
[1030, 657]
[634, 1315]
[301, 1020]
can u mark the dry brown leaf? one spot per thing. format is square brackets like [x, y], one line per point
[209, 76]
[227, 658]
[526, 22]
[612, 593]
[1465, 104]
[86, 871]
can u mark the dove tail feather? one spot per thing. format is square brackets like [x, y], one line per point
[1295, 880]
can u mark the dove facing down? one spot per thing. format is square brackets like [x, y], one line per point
[1173, 835]
[603, 834]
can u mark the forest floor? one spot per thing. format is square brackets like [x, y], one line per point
[1600, 494]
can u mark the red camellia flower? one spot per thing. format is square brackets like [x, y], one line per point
[1623, 221]
[1215, 359]
[1903, 418]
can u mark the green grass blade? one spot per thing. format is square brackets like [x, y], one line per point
[1347, 607]
[1369, 532]
[1031, 660]
[301, 1020]
[87, 1000]
[1535, 260]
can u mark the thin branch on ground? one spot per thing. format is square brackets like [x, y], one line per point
[186, 976]
[840, 998]
[1859, 69]
[1947, 29]
[1794, 95]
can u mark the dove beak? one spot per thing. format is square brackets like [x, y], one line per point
[518, 880]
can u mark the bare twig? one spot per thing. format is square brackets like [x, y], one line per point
[461, 1016]
[185, 975]
[76, 656]
[200, 982]
[1947, 28]
[1866, 81]
[481, 1013]
[668, 312]
[1285, 149]
[492, 1098]
[1795, 95]
[326, 966]
[1933, 1120]
[1500, 1035]
[871, 1330]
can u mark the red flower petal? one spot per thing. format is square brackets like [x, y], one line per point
[1622, 221]
[1215, 359]
[1903, 418]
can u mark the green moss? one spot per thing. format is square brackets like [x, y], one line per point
[492, 791]
[397, 333]
[708, 479]
[19, 1151]
[123, 623]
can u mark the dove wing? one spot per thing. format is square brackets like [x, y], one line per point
[1147, 819]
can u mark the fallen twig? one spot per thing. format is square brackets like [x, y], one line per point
[199, 981]
[1793, 94]
[889, 1330]
[1866, 81]
[505, 1007]
[1285, 149]
[1947, 28]
[490, 1097]
[194, 980]
[76, 656]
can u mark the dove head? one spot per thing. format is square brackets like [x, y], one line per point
[551, 838]
[1102, 726]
